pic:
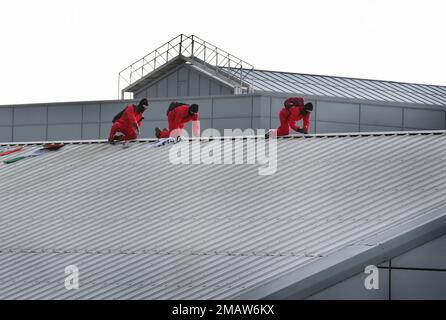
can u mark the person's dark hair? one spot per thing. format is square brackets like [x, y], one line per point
[142, 105]
[193, 108]
[144, 102]
[308, 106]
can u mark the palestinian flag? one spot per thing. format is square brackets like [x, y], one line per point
[4, 151]
[36, 152]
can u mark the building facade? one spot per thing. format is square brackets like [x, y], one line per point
[231, 95]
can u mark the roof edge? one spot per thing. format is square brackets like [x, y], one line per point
[351, 260]
[307, 136]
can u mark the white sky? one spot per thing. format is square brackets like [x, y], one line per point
[54, 50]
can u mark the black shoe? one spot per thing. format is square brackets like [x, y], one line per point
[157, 132]
[267, 134]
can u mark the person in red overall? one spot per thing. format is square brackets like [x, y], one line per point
[177, 116]
[294, 110]
[126, 123]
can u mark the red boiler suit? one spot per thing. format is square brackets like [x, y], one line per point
[125, 124]
[177, 118]
[289, 117]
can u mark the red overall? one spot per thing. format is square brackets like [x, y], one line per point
[125, 124]
[177, 118]
[289, 117]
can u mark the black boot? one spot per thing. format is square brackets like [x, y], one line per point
[157, 132]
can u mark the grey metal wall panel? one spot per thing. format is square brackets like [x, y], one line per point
[183, 88]
[64, 131]
[366, 128]
[141, 94]
[432, 255]
[275, 122]
[204, 124]
[30, 133]
[172, 85]
[157, 110]
[6, 116]
[334, 127]
[226, 91]
[261, 123]
[105, 129]
[354, 289]
[90, 131]
[194, 84]
[204, 86]
[152, 92]
[5, 134]
[262, 107]
[313, 127]
[110, 109]
[409, 284]
[233, 107]
[65, 114]
[162, 88]
[338, 112]
[30, 115]
[215, 88]
[381, 116]
[427, 119]
[232, 123]
[91, 112]
[183, 74]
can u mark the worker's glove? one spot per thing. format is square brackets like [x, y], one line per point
[304, 112]
[300, 130]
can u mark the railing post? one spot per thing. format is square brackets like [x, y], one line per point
[181, 44]
[119, 85]
[193, 46]
[216, 59]
[154, 60]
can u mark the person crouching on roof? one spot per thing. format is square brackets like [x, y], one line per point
[178, 115]
[126, 123]
[293, 111]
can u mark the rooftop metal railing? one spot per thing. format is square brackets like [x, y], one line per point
[194, 49]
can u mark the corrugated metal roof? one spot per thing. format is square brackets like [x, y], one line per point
[341, 87]
[139, 227]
